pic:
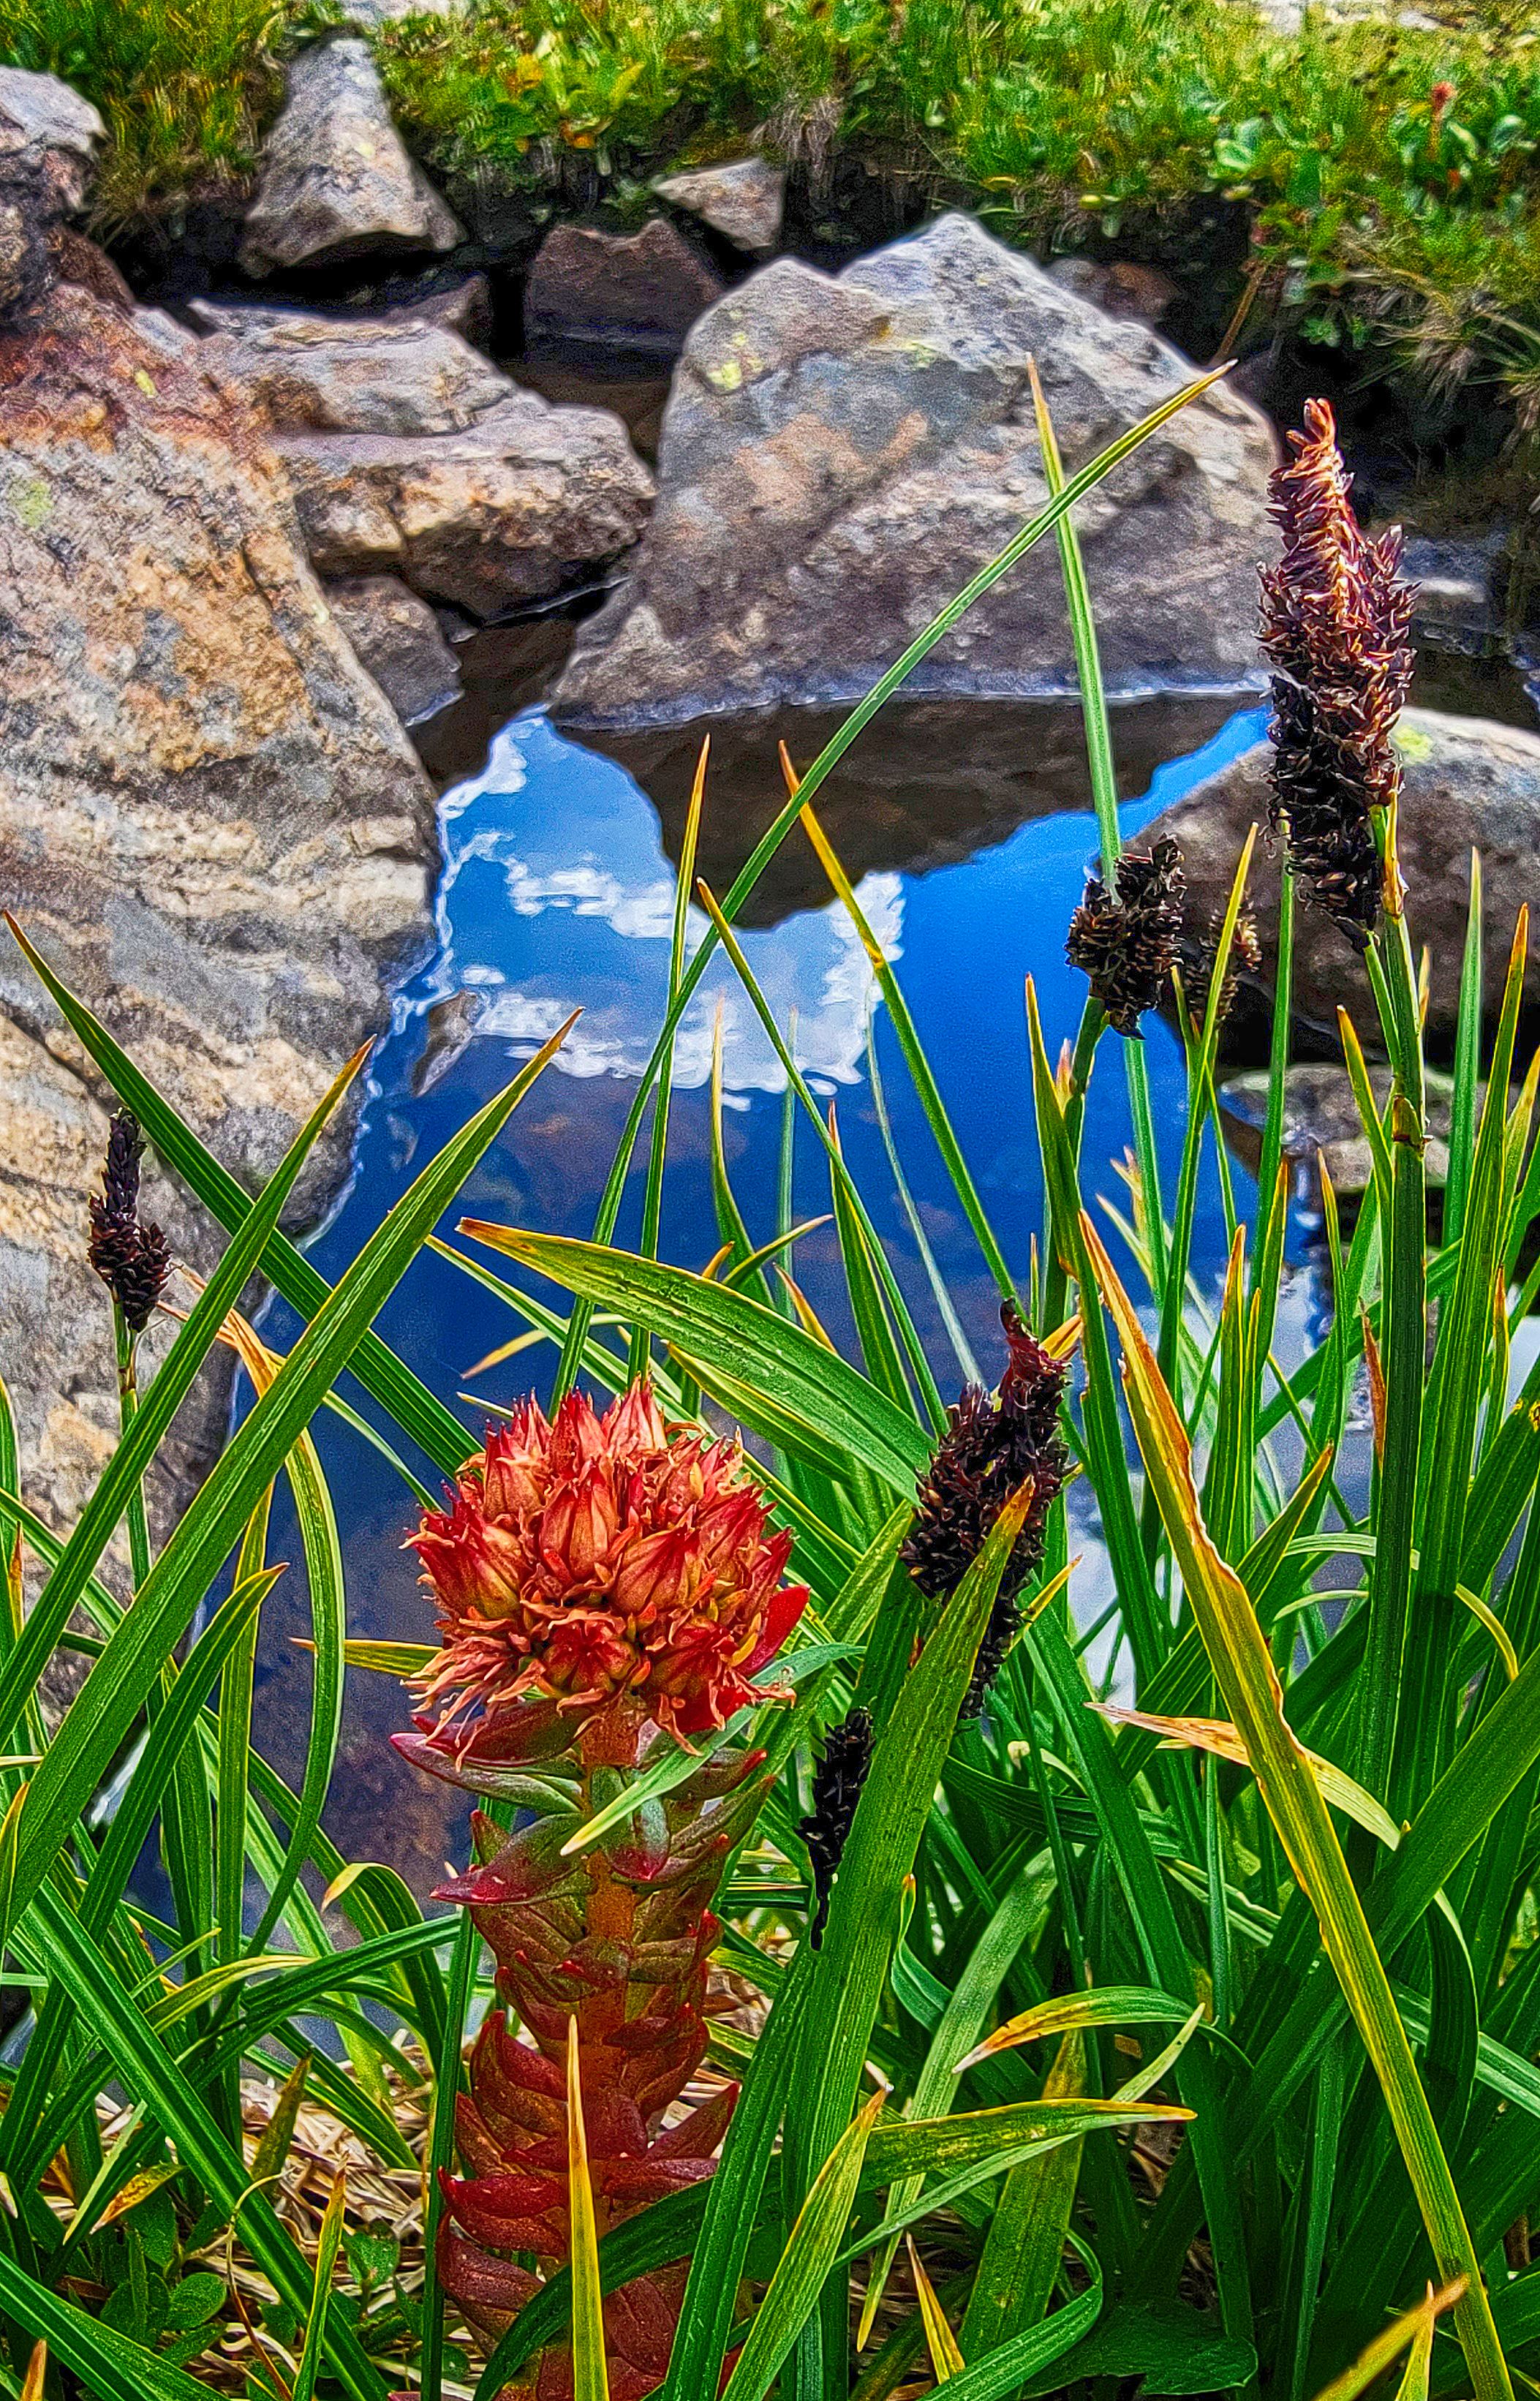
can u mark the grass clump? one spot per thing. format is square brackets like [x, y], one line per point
[185, 86]
[1370, 186]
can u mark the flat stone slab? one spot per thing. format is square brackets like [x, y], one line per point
[367, 376]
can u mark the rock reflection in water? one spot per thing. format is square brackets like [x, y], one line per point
[931, 784]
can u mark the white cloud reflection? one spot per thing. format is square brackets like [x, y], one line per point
[552, 900]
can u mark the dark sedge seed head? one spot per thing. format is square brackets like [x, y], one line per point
[1201, 959]
[991, 1444]
[133, 1259]
[1127, 942]
[1334, 626]
[837, 1781]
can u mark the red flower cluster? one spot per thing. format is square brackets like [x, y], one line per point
[595, 1578]
[599, 1562]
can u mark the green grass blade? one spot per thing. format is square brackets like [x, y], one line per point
[846, 1977]
[327, 2250]
[1243, 1669]
[1468, 1064]
[590, 2373]
[957, 2030]
[417, 1411]
[914, 1056]
[840, 1173]
[124, 1470]
[1084, 480]
[152, 2076]
[1104, 800]
[804, 2266]
[746, 1340]
[651, 1203]
[110, 2365]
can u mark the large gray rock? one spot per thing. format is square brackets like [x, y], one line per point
[364, 376]
[210, 821]
[638, 292]
[336, 181]
[1469, 785]
[745, 201]
[526, 501]
[401, 642]
[839, 457]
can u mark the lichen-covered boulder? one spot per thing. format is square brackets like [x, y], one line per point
[841, 455]
[337, 181]
[210, 821]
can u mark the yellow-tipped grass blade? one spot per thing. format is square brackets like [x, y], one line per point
[1222, 1741]
[590, 2374]
[946, 2360]
[1414, 2329]
[1243, 1669]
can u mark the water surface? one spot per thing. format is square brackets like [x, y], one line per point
[968, 832]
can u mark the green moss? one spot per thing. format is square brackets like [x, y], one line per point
[1388, 174]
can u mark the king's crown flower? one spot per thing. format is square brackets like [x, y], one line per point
[625, 1572]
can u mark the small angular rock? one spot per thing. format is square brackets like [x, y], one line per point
[336, 181]
[1124, 287]
[640, 291]
[744, 200]
[398, 638]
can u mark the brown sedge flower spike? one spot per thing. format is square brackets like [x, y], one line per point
[991, 1444]
[1125, 940]
[133, 1259]
[1335, 619]
[837, 1782]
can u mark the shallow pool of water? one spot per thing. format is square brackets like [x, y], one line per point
[968, 833]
